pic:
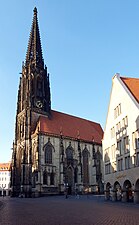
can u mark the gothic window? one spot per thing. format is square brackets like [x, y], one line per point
[85, 167]
[45, 177]
[48, 155]
[69, 153]
[48, 150]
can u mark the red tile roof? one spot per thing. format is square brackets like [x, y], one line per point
[133, 85]
[71, 127]
[5, 166]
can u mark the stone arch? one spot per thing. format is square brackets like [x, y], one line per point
[136, 192]
[86, 152]
[137, 185]
[126, 185]
[116, 185]
[107, 191]
[117, 191]
[108, 186]
[127, 191]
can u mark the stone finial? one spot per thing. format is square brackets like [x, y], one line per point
[35, 10]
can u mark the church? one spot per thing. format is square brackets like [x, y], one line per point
[52, 151]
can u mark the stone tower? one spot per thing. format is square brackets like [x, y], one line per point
[52, 151]
[33, 100]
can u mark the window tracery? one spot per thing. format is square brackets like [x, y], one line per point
[48, 152]
[69, 152]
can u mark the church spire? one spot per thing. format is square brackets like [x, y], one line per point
[34, 51]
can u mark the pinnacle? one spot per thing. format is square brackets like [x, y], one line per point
[34, 51]
[35, 10]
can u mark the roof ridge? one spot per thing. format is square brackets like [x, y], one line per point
[75, 116]
[135, 78]
[71, 126]
[132, 84]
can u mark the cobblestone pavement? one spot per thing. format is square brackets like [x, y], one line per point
[57, 210]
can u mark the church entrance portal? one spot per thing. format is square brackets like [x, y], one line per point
[69, 180]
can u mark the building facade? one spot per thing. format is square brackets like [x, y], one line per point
[5, 179]
[121, 141]
[52, 151]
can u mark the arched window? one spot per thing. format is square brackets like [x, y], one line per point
[48, 150]
[48, 155]
[69, 152]
[85, 167]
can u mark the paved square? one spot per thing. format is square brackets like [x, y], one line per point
[57, 210]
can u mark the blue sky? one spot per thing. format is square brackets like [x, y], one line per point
[85, 42]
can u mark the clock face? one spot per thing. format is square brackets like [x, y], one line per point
[39, 104]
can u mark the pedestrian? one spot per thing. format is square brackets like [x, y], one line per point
[66, 193]
[76, 193]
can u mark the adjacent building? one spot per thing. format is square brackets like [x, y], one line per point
[121, 141]
[52, 151]
[5, 178]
